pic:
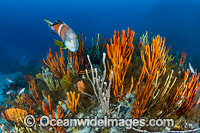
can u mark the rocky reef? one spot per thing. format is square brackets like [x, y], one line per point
[123, 78]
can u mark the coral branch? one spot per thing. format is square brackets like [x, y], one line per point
[183, 59]
[103, 95]
[189, 102]
[56, 64]
[120, 53]
[36, 99]
[77, 60]
[47, 77]
[154, 66]
[33, 90]
[60, 113]
[172, 99]
[72, 102]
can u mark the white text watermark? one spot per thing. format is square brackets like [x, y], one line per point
[45, 121]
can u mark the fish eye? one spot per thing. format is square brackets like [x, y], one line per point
[70, 40]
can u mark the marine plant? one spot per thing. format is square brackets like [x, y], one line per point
[143, 41]
[170, 62]
[96, 49]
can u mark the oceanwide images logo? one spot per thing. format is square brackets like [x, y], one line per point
[45, 121]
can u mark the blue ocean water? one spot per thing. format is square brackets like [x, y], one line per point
[24, 33]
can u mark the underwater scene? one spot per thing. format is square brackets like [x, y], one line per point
[99, 66]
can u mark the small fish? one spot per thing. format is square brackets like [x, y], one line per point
[191, 68]
[8, 92]
[9, 80]
[198, 101]
[21, 91]
[68, 36]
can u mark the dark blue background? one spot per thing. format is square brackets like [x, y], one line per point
[23, 31]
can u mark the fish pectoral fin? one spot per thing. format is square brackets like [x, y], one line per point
[58, 43]
[64, 48]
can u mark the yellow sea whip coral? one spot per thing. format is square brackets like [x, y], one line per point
[154, 66]
[172, 102]
[120, 53]
[143, 41]
[47, 77]
[160, 94]
[19, 102]
[72, 102]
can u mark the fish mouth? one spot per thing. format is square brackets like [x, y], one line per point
[72, 45]
[73, 50]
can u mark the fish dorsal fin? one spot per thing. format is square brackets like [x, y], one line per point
[58, 22]
[55, 23]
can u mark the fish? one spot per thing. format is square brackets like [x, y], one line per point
[9, 92]
[68, 36]
[9, 80]
[191, 68]
[21, 91]
[198, 101]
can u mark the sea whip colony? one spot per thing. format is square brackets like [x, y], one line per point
[139, 80]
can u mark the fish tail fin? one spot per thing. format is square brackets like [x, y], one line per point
[49, 23]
